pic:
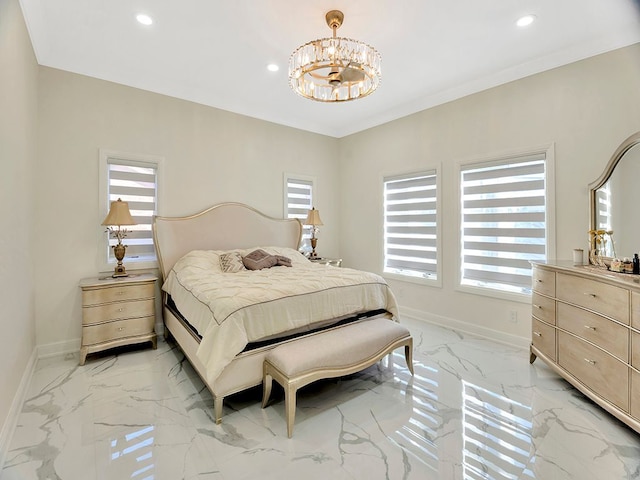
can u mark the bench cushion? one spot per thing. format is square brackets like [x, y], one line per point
[344, 346]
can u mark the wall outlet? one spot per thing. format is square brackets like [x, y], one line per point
[513, 316]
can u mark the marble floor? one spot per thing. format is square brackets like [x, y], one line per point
[475, 409]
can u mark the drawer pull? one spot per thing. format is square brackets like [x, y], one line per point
[537, 306]
[120, 329]
[590, 327]
[537, 334]
[592, 362]
[121, 292]
[538, 280]
[121, 309]
[592, 295]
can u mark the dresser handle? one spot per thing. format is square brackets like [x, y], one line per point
[538, 280]
[592, 362]
[590, 327]
[120, 329]
[592, 295]
[537, 306]
[537, 334]
[121, 292]
[121, 309]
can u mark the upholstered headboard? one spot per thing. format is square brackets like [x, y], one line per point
[222, 227]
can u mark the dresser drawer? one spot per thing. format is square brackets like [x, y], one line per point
[543, 308]
[543, 281]
[543, 337]
[115, 311]
[635, 394]
[105, 332]
[610, 336]
[635, 349]
[602, 373]
[600, 297]
[635, 310]
[117, 293]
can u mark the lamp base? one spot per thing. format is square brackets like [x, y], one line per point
[119, 271]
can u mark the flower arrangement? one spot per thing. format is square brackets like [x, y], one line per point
[598, 245]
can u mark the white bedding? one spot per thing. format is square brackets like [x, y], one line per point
[230, 310]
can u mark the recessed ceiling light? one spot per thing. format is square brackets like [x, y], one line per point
[526, 20]
[144, 19]
[272, 67]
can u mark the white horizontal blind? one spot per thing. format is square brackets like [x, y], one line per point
[410, 235]
[299, 201]
[503, 222]
[135, 183]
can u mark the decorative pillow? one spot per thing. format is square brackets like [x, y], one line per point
[259, 259]
[231, 262]
[282, 260]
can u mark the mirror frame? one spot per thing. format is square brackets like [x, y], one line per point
[624, 147]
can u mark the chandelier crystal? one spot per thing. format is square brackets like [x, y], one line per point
[334, 69]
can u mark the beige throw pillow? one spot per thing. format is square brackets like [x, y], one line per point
[231, 262]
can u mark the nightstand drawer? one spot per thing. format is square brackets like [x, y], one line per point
[117, 293]
[116, 311]
[119, 329]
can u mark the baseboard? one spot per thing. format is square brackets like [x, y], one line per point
[16, 407]
[465, 327]
[59, 348]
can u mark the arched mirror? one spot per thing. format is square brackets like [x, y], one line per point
[615, 202]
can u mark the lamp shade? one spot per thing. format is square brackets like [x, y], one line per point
[313, 218]
[119, 214]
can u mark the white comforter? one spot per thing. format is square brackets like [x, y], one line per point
[230, 310]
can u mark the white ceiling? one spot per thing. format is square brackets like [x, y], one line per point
[215, 52]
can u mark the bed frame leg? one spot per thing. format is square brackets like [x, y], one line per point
[266, 389]
[217, 409]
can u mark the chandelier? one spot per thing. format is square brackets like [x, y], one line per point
[334, 69]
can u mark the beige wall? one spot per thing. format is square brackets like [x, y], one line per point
[210, 156]
[586, 109]
[18, 103]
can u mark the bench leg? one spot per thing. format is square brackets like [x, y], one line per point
[290, 393]
[217, 409]
[266, 388]
[408, 354]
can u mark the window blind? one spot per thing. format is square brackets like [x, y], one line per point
[135, 183]
[300, 201]
[503, 222]
[410, 235]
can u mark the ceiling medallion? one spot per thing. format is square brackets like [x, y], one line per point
[334, 69]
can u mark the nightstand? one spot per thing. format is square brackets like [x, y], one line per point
[117, 311]
[334, 262]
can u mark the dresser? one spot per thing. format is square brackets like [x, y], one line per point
[117, 312]
[586, 326]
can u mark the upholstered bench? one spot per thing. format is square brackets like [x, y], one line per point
[334, 353]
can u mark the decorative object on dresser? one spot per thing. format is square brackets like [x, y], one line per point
[117, 312]
[586, 327]
[313, 219]
[119, 215]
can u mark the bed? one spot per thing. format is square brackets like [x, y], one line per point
[226, 318]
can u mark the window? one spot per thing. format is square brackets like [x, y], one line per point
[134, 179]
[411, 226]
[298, 200]
[504, 221]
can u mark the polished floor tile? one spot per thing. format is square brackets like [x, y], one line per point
[474, 409]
